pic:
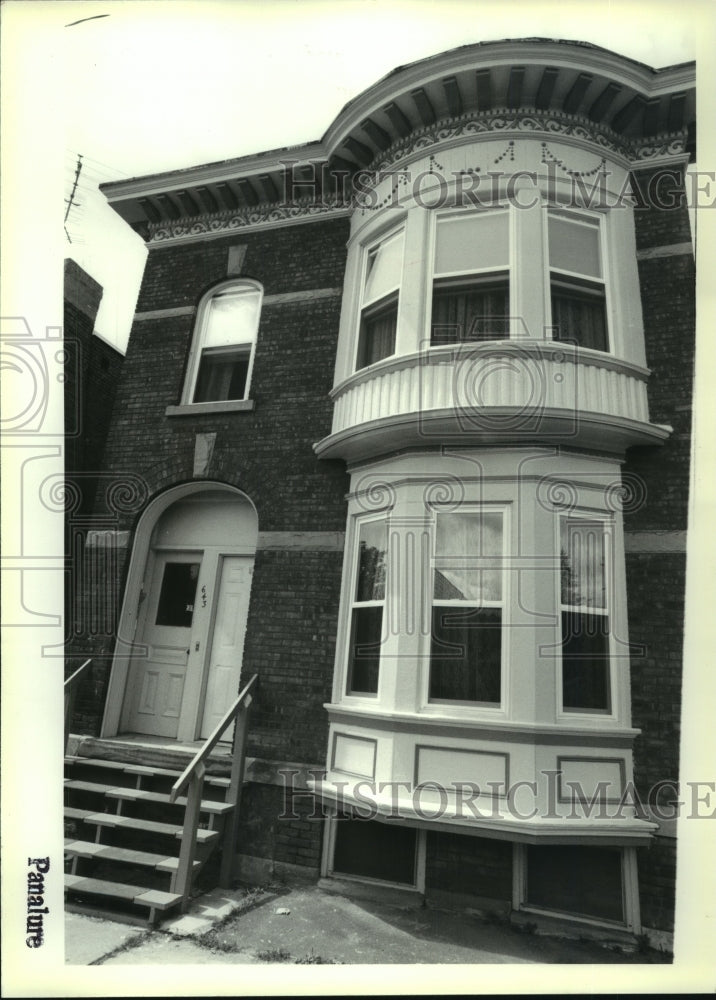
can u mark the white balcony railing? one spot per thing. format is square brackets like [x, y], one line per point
[510, 391]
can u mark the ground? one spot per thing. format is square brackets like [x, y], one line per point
[309, 926]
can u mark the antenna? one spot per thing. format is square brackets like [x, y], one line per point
[71, 200]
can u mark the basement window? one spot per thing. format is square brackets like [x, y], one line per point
[369, 849]
[224, 343]
[580, 881]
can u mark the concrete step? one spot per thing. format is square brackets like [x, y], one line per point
[139, 794]
[106, 852]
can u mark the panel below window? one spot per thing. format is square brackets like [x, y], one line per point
[465, 654]
[222, 375]
[585, 662]
[370, 849]
[582, 881]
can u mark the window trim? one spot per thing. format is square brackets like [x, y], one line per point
[613, 695]
[187, 402]
[445, 705]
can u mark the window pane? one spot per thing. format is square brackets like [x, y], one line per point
[176, 597]
[222, 376]
[579, 318]
[470, 313]
[377, 340]
[366, 637]
[232, 318]
[574, 246]
[371, 562]
[582, 563]
[472, 242]
[385, 263]
[585, 662]
[464, 542]
[465, 654]
[585, 881]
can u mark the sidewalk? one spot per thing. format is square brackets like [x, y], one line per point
[310, 926]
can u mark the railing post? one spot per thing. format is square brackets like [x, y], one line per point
[185, 868]
[231, 827]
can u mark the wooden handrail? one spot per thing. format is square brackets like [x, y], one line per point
[193, 776]
[211, 741]
[71, 678]
[70, 688]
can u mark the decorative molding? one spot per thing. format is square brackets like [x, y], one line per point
[224, 223]
[553, 123]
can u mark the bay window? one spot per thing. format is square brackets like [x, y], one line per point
[576, 281]
[368, 601]
[584, 617]
[379, 312]
[470, 301]
[467, 610]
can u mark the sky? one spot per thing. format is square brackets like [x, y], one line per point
[152, 86]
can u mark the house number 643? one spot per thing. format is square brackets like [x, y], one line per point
[203, 596]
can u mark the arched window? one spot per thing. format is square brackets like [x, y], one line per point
[224, 343]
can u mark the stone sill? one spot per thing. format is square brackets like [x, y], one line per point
[198, 409]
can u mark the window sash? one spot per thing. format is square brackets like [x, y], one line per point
[579, 315]
[584, 618]
[222, 375]
[470, 312]
[467, 608]
[377, 334]
[367, 609]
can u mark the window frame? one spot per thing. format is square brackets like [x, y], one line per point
[608, 535]
[466, 279]
[353, 603]
[461, 705]
[372, 308]
[577, 283]
[198, 350]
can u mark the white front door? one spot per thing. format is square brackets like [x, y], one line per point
[227, 645]
[156, 685]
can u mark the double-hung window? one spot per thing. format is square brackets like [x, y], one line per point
[381, 292]
[224, 344]
[579, 314]
[467, 612]
[367, 606]
[471, 287]
[584, 616]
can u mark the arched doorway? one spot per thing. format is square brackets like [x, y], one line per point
[184, 616]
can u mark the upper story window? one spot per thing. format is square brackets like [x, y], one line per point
[584, 616]
[467, 618]
[577, 281]
[379, 303]
[368, 601]
[471, 287]
[224, 344]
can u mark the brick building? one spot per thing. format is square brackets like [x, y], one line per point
[404, 429]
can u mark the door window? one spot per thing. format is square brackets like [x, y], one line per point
[176, 597]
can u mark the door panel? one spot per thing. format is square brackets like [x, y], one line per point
[157, 681]
[228, 641]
